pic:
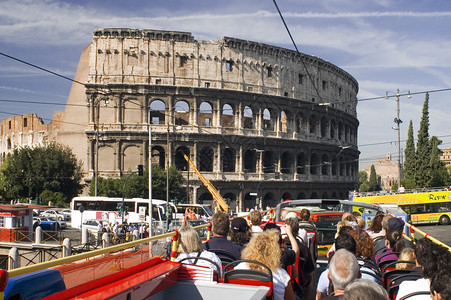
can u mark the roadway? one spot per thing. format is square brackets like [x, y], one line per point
[440, 232]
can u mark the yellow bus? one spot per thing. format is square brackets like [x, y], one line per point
[425, 207]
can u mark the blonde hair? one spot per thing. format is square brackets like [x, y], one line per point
[264, 248]
[189, 240]
[360, 222]
[406, 254]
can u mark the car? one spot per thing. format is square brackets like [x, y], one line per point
[61, 224]
[45, 223]
[55, 214]
[93, 225]
[66, 212]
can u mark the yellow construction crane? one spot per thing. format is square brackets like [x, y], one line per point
[220, 203]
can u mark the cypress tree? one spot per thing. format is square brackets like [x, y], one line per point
[373, 179]
[409, 160]
[423, 152]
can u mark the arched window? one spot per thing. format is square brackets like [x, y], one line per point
[157, 112]
[286, 163]
[267, 121]
[325, 165]
[228, 119]
[158, 156]
[314, 164]
[324, 127]
[250, 161]
[312, 124]
[248, 118]
[205, 114]
[283, 122]
[228, 160]
[206, 159]
[180, 161]
[268, 162]
[181, 114]
[300, 165]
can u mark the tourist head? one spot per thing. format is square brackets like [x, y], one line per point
[343, 269]
[407, 254]
[346, 242]
[255, 218]
[189, 240]
[221, 224]
[265, 248]
[365, 244]
[364, 289]
[305, 214]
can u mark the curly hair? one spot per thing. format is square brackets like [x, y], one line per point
[432, 257]
[240, 238]
[365, 244]
[376, 225]
[265, 248]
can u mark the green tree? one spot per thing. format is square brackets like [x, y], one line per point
[363, 176]
[408, 180]
[423, 152]
[138, 186]
[27, 172]
[439, 173]
[373, 179]
[364, 187]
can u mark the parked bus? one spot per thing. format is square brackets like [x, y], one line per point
[426, 207]
[109, 209]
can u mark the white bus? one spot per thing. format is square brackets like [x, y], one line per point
[107, 209]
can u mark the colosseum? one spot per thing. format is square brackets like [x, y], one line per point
[262, 123]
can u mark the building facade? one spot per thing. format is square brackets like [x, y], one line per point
[388, 170]
[257, 120]
[446, 157]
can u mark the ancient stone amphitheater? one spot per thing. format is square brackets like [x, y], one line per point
[259, 121]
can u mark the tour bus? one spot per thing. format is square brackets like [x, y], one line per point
[425, 207]
[110, 209]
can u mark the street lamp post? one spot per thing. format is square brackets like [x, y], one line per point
[398, 121]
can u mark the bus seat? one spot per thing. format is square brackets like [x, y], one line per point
[249, 277]
[195, 272]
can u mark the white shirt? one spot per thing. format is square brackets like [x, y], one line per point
[280, 279]
[206, 254]
[410, 286]
[256, 229]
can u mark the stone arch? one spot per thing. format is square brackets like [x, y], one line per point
[286, 163]
[284, 122]
[313, 122]
[270, 200]
[268, 123]
[342, 166]
[131, 157]
[340, 131]
[132, 111]
[248, 118]
[206, 156]
[158, 156]
[207, 199]
[302, 195]
[314, 164]
[248, 202]
[181, 114]
[333, 128]
[268, 162]
[287, 196]
[106, 151]
[230, 199]
[228, 160]
[300, 163]
[346, 133]
[324, 127]
[334, 166]
[314, 195]
[180, 161]
[250, 161]
[205, 114]
[325, 165]
[300, 123]
[334, 195]
[157, 112]
[325, 195]
[228, 119]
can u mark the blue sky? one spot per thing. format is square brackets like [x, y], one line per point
[386, 45]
